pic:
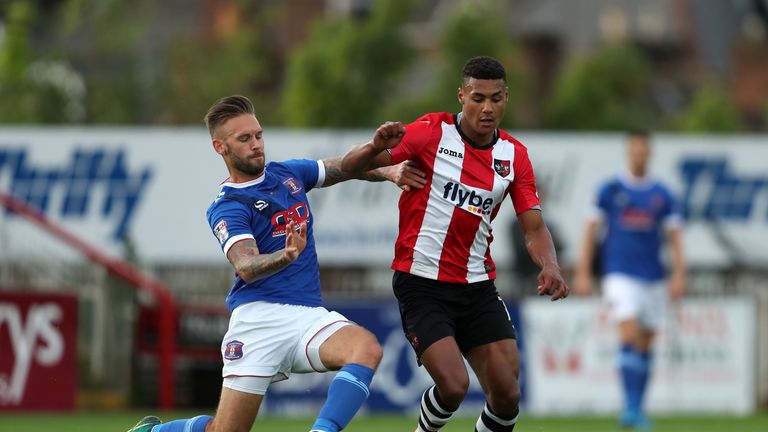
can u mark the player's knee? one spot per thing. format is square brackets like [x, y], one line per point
[452, 391]
[505, 400]
[368, 351]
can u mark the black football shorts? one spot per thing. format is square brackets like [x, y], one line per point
[474, 314]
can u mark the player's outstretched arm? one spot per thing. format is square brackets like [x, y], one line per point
[405, 175]
[371, 155]
[538, 240]
[252, 265]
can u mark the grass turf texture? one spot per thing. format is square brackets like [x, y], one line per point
[122, 420]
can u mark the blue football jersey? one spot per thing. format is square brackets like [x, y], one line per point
[635, 214]
[260, 209]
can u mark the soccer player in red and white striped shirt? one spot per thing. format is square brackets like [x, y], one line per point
[444, 274]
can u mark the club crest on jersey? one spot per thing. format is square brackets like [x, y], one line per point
[501, 167]
[233, 350]
[292, 185]
[221, 231]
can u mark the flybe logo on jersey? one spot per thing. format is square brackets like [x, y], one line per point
[71, 190]
[713, 190]
[467, 199]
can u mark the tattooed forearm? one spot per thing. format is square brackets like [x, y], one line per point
[251, 265]
[334, 173]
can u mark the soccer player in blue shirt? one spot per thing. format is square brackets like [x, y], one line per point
[263, 223]
[638, 214]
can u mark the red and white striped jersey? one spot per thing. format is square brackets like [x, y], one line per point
[445, 228]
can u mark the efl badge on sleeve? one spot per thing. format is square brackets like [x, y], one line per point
[292, 185]
[233, 350]
[221, 231]
[501, 167]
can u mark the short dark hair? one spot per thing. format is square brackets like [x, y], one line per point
[483, 67]
[225, 109]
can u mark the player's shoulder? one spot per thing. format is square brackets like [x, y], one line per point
[661, 186]
[276, 167]
[436, 118]
[611, 184]
[505, 138]
[234, 195]
[432, 120]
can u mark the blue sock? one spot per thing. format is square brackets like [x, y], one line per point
[195, 424]
[635, 369]
[346, 394]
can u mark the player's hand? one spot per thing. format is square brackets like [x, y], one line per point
[406, 176]
[582, 283]
[295, 240]
[551, 283]
[388, 135]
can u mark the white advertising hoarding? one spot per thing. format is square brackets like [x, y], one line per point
[153, 185]
[703, 358]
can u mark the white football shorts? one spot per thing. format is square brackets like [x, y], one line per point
[266, 342]
[632, 298]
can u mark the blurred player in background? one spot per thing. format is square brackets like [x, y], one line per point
[638, 213]
[444, 274]
[262, 221]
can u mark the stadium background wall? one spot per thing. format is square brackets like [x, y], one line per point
[140, 194]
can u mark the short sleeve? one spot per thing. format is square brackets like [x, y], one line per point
[672, 216]
[417, 136]
[230, 222]
[523, 187]
[311, 173]
[602, 203]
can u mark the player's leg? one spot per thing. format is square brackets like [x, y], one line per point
[331, 342]
[487, 336]
[355, 353]
[637, 337]
[236, 412]
[444, 363]
[237, 408]
[625, 296]
[426, 310]
[497, 367]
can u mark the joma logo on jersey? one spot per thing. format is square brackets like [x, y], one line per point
[452, 153]
[475, 203]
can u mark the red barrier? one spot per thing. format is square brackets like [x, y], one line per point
[128, 273]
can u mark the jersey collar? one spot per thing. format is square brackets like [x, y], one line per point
[249, 183]
[468, 140]
[632, 181]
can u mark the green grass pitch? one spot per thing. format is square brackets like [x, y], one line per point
[122, 420]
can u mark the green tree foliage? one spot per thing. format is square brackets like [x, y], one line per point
[474, 29]
[33, 91]
[711, 111]
[200, 73]
[345, 70]
[109, 43]
[606, 90]
[765, 116]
